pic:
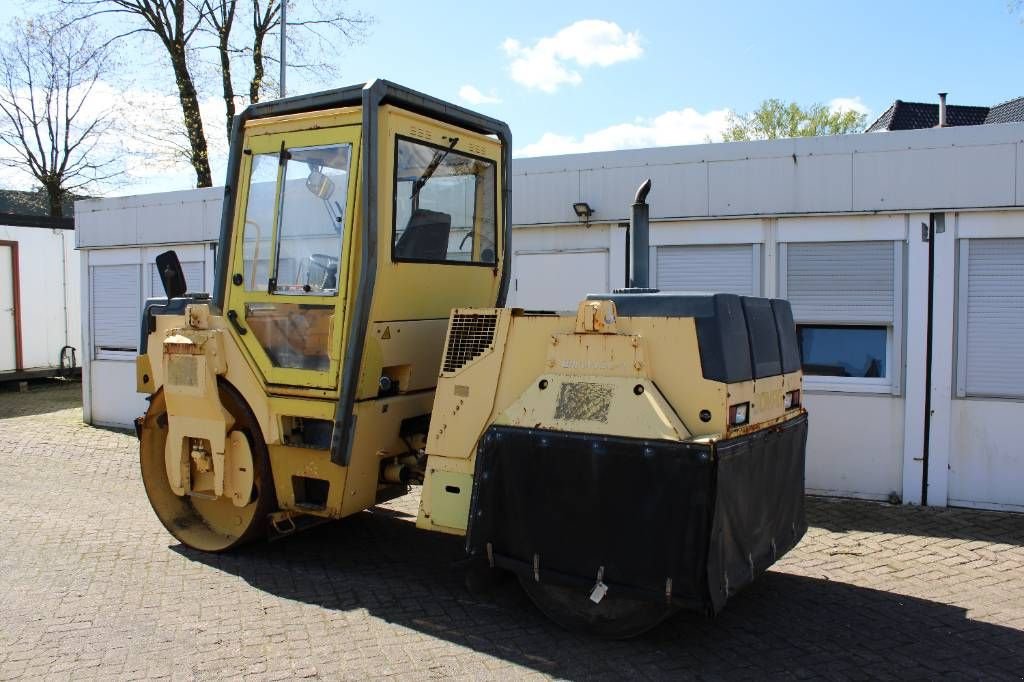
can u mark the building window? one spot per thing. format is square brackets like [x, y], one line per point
[990, 357]
[843, 351]
[847, 304]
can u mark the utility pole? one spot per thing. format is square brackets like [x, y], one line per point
[284, 52]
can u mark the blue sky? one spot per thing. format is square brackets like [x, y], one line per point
[705, 56]
[576, 76]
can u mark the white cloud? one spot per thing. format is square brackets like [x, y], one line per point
[590, 42]
[468, 93]
[684, 126]
[848, 104]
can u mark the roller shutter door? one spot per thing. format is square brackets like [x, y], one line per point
[845, 282]
[114, 309]
[719, 268]
[994, 352]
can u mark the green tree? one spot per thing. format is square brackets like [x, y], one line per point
[775, 119]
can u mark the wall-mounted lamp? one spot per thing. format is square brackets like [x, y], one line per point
[583, 210]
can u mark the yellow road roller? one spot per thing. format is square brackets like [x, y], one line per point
[641, 454]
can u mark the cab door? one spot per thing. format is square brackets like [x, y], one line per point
[290, 252]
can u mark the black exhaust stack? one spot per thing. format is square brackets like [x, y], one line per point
[639, 276]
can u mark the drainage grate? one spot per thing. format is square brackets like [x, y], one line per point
[469, 335]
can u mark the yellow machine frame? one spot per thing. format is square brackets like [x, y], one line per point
[551, 441]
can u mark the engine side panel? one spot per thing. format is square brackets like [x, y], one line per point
[590, 438]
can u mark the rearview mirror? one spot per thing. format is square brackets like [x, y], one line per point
[320, 185]
[171, 274]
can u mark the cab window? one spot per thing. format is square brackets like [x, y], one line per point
[444, 205]
[314, 188]
[294, 224]
[301, 192]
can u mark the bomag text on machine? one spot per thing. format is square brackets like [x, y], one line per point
[641, 454]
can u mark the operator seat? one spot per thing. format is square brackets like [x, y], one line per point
[425, 237]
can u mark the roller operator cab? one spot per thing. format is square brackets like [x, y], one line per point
[642, 454]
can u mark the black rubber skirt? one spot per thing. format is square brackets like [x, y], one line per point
[684, 523]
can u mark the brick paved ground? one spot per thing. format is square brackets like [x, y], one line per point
[92, 586]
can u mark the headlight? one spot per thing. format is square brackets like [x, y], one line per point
[791, 400]
[739, 414]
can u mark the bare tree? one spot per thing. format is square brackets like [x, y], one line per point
[264, 20]
[244, 36]
[175, 23]
[316, 28]
[220, 15]
[52, 125]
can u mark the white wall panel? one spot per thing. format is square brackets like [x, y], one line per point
[854, 228]
[986, 459]
[935, 178]
[713, 231]
[559, 280]
[989, 224]
[805, 184]
[114, 256]
[854, 445]
[166, 218]
[676, 190]
[183, 220]
[1020, 174]
[562, 238]
[112, 397]
[545, 198]
[105, 227]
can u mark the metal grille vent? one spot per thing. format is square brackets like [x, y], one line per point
[422, 133]
[468, 336]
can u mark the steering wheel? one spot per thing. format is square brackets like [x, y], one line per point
[486, 244]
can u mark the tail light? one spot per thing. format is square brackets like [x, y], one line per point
[739, 414]
[791, 400]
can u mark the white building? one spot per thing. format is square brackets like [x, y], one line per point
[39, 312]
[841, 226]
[119, 240]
